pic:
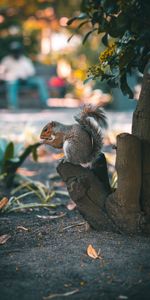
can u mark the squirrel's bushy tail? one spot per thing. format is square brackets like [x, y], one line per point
[93, 119]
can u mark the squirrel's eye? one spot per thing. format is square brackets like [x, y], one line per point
[45, 129]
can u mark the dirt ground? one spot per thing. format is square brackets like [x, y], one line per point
[49, 259]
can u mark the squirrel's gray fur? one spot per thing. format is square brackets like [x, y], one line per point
[86, 142]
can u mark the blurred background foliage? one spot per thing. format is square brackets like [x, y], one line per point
[125, 26]
[26, 21]
[34, 22]
[108, 37]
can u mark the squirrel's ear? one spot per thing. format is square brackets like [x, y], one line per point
[53, 124]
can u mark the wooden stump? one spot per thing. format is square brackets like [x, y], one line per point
[88, 192]
[123, 206]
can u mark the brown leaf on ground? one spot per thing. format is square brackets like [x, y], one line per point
[71, 205]
[74, 225]
[93, 253]
[61, 295]
[4, 238]
[22, 228]
[51, 217]
[3, 202]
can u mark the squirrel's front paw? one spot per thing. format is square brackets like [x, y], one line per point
[64, 160]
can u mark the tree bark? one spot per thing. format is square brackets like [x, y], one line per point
[141, 129]
[141, 116]
[145, 191]
[123, 205]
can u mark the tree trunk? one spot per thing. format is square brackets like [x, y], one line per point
[141, 129]
[141, 116]
[128, 208]
[123, 205]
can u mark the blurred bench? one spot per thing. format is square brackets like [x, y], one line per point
[28, 97]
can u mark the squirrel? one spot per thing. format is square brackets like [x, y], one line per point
[81, 141]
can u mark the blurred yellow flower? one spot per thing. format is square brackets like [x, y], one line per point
[32, 24]
[79, 74]
[110, 50]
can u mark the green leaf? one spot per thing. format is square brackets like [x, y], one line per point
[82, 16]
[110, 6]
[70, 21]
[105, 39]
[125, 87]
[87, 35]
[97, 16]
[69, 39]
[9, 153]
[82, 23]
[34, 153]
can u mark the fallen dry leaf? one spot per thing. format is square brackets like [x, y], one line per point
[22, 228]
[74, 225]
[51, 217]
[4, 238]
[93, 253]
[71, 205]
[3, 202]
[122, 297]
[61, 295]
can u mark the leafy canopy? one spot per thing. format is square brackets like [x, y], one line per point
[125, 26]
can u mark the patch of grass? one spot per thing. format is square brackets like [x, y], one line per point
[12, 157]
